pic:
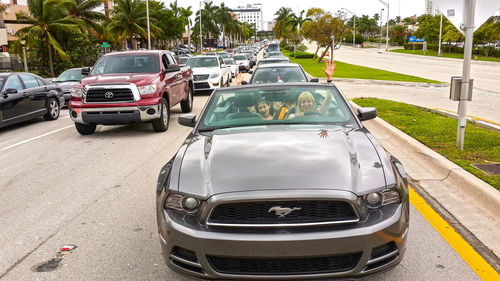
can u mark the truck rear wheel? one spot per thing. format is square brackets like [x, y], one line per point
[85, 129]
[187, 105]
[161, 124]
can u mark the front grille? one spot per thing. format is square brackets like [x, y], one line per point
[200, 77]
[288, 266]
[99, 95]
[203, 85]
[276, 212]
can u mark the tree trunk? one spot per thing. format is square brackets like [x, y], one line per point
[329, 46]
[316, 53]
[50, 62]
[189, 35]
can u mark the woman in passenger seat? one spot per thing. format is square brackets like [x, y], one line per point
[307, 103]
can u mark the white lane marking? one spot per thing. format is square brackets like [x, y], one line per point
[37, 137]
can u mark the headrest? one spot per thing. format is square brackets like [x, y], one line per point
[244, 100]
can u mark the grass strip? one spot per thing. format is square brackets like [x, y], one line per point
[439, 133]
[433, 53]
[346, 70]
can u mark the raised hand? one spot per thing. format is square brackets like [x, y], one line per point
[238, 79]
[330, 69]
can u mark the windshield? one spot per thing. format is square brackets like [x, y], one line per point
[273, 47]
[183, 60]
[203, 62]
[229, 61]
[240, 57]
[278, 75]
[262, 62]
[276, 106]
[275, 54]
[127, 64]
[70, 75]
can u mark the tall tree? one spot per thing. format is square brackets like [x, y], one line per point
[186, 14]
[282, 27]
[85, 11]
[224, 19]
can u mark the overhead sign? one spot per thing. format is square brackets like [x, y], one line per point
[212, 42]
[415, 39]
[454, 11]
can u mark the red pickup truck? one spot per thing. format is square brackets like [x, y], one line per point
[129, 87]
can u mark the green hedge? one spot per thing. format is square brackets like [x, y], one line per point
[302, 55]
[450, 49]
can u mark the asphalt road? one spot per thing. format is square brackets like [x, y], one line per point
[98, 192]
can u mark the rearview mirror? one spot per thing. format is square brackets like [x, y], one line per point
[188, 120]
[366, 113]
[85, 71]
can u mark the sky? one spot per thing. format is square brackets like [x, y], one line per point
[404, 8]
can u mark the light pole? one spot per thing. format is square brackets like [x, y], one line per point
[380, 41]
[387, 26]
[23, 42]
[440, 31]
[147, 19]
[201, 36]
[354, 29]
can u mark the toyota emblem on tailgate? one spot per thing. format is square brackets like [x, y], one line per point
[108, 95]
[282, 212]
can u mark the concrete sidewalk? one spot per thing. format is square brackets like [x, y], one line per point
[474, 203]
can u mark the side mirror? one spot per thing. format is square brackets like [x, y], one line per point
[366, 113]
[172, 68]
[250, 72]
[314, 80]
[10, 91]
[188, 120]
[223, 66]
[85, 71]
[244, 82]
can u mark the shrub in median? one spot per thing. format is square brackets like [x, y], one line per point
[302, 55]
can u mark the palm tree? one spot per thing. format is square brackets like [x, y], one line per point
[186, 13]
[85, 11]
[129, 19]
[283, 19]
[296, 23]
[224, 19]
[209, 25]
[48, 18]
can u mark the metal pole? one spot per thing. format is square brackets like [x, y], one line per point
[201, 36]
[380, 41]
[470, 7]
[354, 30]
[440, 31]
[387, 31]
[333, 47]
[147, 19]
[25, 63]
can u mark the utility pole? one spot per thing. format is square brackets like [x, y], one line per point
[387, 25]
[470, 7]
[147, 19]
[440, 31]
[380, 41]
[354, 29]
[201, 36]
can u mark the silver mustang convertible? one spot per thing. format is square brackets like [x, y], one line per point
[281, 181]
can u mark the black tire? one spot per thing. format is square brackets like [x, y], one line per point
[85, 129]
[187, 105]
[221, 81]
[53, 109]
[161, 124]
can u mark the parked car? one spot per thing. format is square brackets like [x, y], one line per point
[129, 87]
[182, 59]
[26, 96]
[273, 54]
[309, 197]
[209, 72]
[242, 61]
[278, 73]
[67, 80]
[274, 60]
[233, 65]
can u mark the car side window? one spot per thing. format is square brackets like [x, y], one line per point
[40, 81]
[13, 83]
[171, 59]
[164, 61]
[29, 81]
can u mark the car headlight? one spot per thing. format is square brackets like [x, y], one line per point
[76, 92]
[214, 75]
[178, 202]
[382, 198]
[147, 90]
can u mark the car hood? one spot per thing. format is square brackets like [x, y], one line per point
[205, 70]
[66, 85]
[244, 159]
[135, 78]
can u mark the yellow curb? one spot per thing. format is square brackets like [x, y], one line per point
[471, 116]
[468, 254]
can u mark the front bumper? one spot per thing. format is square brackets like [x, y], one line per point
[115, 115]
[207, 85]
[189, 247]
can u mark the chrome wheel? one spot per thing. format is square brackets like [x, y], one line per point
[164, 114]
[54, 108]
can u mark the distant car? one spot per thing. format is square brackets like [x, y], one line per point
[307, 197]
[26, 96]
[67, 80]
[273, 54]
[251, 56]
[209, 72]
[242, 61]
[182, 60]
[274, 60]
[278, 73]
[233, 65]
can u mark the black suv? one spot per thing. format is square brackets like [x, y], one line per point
[25, 96]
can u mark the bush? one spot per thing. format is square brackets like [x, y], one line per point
[298, 48]
[359, 38]
[450, 49]
[302, 55]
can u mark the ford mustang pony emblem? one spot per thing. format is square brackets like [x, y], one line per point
[282, 212]
[108, 95]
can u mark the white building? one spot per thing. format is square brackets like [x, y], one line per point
[251, 14]
[430, 8]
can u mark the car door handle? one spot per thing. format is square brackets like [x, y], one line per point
[24, 94]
